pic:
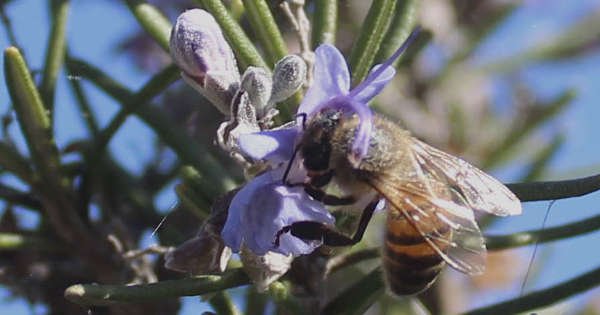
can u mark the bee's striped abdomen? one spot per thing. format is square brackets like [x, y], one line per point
[411, 265]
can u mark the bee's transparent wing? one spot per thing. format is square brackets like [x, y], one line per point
[429, 208]
[479, 190]
[434, 190]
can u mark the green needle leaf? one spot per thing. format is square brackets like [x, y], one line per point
[153, 87]
[539, 114]
[576, 39]
[266, 29]
[55, 53]
[244, 49]
[216, 180]
[152, 20]
[542, 158]
[404, 21]
[14, 241]
[370, 38]
[525, 238]
[543, 297]
[33, 118]
[16, 197]
[13, 161]
[324, 22]
[93, 294]
[368, 289]
[221, 303]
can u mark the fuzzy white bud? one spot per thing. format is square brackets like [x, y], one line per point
[288, 76]
[257, 82]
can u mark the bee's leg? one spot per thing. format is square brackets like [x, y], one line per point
[313, 230]
[330, 200]
[313, 189]
[321, 179]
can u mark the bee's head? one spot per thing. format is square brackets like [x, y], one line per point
[315, 146]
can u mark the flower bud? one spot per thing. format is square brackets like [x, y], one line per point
[207, 62]
[288, 77]
[242, 121]
[201, 255]
[206, 253]
[258, 84]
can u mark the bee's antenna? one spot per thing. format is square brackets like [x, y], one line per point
[289, 166]
[304, 117]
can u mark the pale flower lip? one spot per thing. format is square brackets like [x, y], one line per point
[208, 64]
[262, 208]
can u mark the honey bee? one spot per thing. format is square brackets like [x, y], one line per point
[430, 198]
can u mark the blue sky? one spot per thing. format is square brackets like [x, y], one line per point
[95, 28]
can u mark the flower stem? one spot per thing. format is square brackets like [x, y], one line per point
[243, 47]
[324, 22]
[266, 29]
[93, 294]
[543, 297]
[499, 242]
[370, 38]
[55, 53]
[152, 20]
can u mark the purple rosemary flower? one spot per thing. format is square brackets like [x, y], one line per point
[265, 205]
[331, 90]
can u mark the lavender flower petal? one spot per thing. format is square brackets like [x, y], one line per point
[274, 145]
[330, 78]
[376, 83]
[262, 208]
